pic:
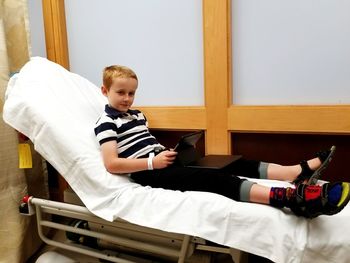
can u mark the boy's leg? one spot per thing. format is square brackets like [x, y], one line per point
[264, 170]
[306, 170]
[260, 194]
[196, 179]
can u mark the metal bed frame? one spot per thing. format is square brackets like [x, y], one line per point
[111, 237]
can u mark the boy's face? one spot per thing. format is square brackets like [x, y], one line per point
[121, 94]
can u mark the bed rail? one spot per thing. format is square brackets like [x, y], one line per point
[119, 233]
[40, 206]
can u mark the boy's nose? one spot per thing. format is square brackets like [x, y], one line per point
[127, 98]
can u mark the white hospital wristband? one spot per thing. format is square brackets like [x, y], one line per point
[150, 161]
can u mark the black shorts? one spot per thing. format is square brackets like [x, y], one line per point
[223, 181]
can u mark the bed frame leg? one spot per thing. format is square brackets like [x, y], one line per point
[237, 256]
[184, 248]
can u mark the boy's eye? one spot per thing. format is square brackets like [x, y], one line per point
[122, 93]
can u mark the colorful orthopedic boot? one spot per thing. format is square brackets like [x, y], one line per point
[311, 176]
[311, 201]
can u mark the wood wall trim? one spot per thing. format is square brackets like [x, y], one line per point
[176, 118]
[216, 74]
[317, 119]
[56, 32]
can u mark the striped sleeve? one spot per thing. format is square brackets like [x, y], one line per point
[144, 117]
[105, 130]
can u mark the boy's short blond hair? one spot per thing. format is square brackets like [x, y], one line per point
[116, 71]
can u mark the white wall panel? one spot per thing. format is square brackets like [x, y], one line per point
[291, 52]
[161, 40]
[36, 25]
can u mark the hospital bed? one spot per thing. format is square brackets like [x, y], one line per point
[57, 110]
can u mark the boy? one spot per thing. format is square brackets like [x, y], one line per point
[127, 147]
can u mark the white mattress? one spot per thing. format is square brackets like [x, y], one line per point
[57, 110]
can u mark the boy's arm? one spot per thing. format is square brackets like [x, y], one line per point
[114, 164]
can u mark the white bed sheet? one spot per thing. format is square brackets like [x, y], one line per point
[57, 110]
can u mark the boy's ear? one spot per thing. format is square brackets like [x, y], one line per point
[104, 90]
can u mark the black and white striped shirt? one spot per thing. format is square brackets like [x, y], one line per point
[129, 130]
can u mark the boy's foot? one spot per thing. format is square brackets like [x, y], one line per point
[310, 176]
[313, 200]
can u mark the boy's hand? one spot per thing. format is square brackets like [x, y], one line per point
[164, 159]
